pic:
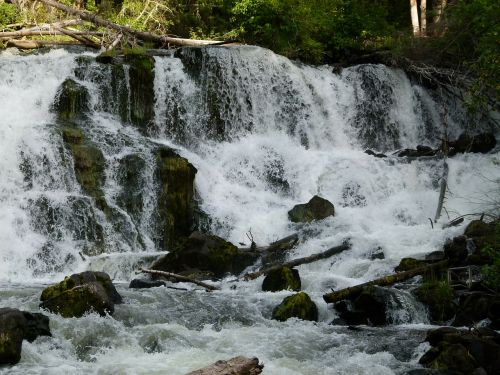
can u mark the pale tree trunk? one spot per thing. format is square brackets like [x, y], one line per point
[439, 10]
[414, 17]
[423, 17]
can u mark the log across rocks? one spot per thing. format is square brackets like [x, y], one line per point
[81, 293]
[16, 326]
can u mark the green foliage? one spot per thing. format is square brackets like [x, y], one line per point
[438, 296]
[8, 14]
[492, 272]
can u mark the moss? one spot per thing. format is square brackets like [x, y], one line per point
[454, 357]
[72, 135]
[439, 297]
[71, 101]
[57, 289]
[408, 264]
[282, 279]
[296, 306]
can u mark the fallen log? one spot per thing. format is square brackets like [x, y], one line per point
[79, 37]
[179, 278]
[142, 35]
[34, 44]
[52, 31]
[297, 262]
[353, 291]
[234, 366]
[281, 245]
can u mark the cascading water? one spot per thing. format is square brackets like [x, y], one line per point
[264, 134]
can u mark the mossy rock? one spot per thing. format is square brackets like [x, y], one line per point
[316, 209]
[284, 278]
[76, 302]
[203, 252]
[72, 135]
[298, 306]
[175, 176]
[454, 357]
[408, 264]
[79, 279]
[72, 101]
[438, 296]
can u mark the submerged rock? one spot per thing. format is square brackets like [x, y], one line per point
[316, 209]
[298, 306]
[81, 293]
[284, 278]
[142, 284]
[203, 252]
[16, 326]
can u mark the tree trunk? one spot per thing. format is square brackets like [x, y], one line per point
[442, 191]
[179, 278]
[297, 262]
[234, 366]
[142, 35]
[414, 17]
[439, 9]
[353, 291]
[423, 17]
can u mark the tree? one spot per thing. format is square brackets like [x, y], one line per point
[423, 17]
[414, 17]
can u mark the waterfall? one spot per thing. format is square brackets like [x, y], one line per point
[264, 133]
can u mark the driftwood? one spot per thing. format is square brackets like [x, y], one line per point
[353, 291]
[142, 35]
[49, 31]
[179, 278]
[81, 38]
[34, 44]
[442, 191]
[297, 262]
[234, 366]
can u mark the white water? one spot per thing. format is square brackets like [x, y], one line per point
[303, 127]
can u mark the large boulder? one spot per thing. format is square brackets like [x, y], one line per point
[463, 351]
[175, 176]
[284, 278]
[204, 252]
[316, 209]
[473, 307]
[483, 142]
[298, 306]
[81, 293]
[16, 326]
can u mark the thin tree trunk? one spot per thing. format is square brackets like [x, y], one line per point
[442, 191]
[179, 278]
[297, 262]
[353, 291]
[414, 17]
[423, 17]
[234, 366]
[144, 36]
[439, 10]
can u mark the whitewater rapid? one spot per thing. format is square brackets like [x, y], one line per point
[283, 132]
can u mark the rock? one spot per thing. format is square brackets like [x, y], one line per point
[419, 152]
[456, 250]
[132, 182]
[483, 143]
[464, 351]
[484, 236]
[203, 252]
[81, 293]
[472, 308]
[373, 153]
[71, 102]
[316, 209]
[373, 302]
[439, 298]
[435, 256]
[175, 176]
[16, 326]
[296, 306]
[234, 366]
[282, 279]
[348, 316]
[407, 264]
[141, 283]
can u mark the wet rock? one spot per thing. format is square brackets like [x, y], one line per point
[16, 326]
[316, 209]
[348, 316]
[284, 278]
[130, 176]
[463, 351]
[175, 176]
[435, 256]
[142, 284]
[373, 153]
[483, 143]
[456, 250]
[373, 302]
[81, 293]
[296, 306]
[203, 252]
[439, 298]
[419, 152]
[72, 101]
[472, 307]
[408, 264]
[377, 253]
